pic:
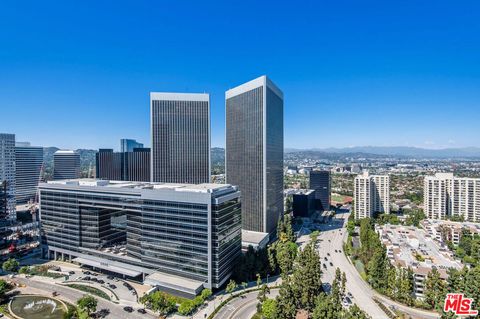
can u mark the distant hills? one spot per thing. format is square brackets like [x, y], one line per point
[402, 151]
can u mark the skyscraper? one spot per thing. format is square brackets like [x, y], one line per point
[127, 145]
[7, 176]
[66, 165]
[371, 194]
[29, 160]
[254, 151]
[320, 182]
[180, 128]
[126, 166]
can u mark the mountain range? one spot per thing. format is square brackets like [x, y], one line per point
[403, 151]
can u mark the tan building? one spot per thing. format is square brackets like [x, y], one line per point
[371, 194]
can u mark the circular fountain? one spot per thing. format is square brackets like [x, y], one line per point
[36, 307]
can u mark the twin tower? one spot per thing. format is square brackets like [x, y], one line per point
[180, 132]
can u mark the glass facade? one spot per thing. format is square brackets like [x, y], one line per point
[320, 182]
[180, 140]
[254, 152]
[196, 240]
[28, 161]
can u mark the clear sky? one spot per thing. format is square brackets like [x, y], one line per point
[77, 74]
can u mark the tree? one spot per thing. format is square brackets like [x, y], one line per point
[87, 304]
[206, 293]
[285, 256]
[10, 265]
[435, 290]
[24, 270]
[231, 286]
[307, 282]
[286, 308]
[269, 308]
[378, 268]
[186, 307]
[163, 303]
[262, 296]
[4, 287]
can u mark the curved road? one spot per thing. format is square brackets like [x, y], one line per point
[333, 237]
[243, 307]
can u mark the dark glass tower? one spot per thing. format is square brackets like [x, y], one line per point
[254, 151]
[29, 161]
[124, 166]
[66, 165]
[320, 182]
[180, 128]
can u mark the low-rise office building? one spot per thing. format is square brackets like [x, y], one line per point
[180, 237]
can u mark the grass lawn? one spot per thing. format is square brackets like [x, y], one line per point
[90, 290]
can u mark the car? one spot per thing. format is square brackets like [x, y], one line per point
[100, 281]
[109, 277]
[87, 273]
[325, 258]
[331, 264]
[112, 286]
[71, 272]
[141, 310]
[350, 294]
[87, 278]
[328, 254]
[348, 300]
[128, 309]
[94, 274]
[126, 284]
[336, 250]
[94, 279]
[325, 266]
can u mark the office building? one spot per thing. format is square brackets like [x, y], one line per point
[371, 195]
[128, 145]
[7, 176]
[126, 166]
[321, 183]
[181, 237]
[254, 151]
[446, 195]
[303, 203]
[66, 165]
[28, 161]
[180, 128]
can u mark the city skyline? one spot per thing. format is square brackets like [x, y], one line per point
[409, 70]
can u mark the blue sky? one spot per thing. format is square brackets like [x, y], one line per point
[77, 74]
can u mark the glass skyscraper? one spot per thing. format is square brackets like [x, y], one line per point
[254, 151]
[66, 165]
[180, 128]
[29, 160]
[320, 182]
[128, 145]
[7, 176]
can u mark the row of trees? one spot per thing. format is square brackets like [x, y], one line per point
[165, 304]
[301, 288]
[468, 248]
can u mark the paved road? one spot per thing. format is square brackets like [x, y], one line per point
[243, 307]
[72, 295]
[333, 236]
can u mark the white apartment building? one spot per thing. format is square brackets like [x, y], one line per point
[371, 195]
[446, 195]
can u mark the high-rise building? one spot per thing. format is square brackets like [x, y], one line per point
[320, 182]
[128, 145]
[29, 161]
[181, 237]
[126, 166]
[446, 195]
[66, 165]
[180, 128]
[303, 204]
[7, 176]
[254, 151]
[371, 195]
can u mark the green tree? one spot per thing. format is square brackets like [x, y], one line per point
[307, 282]
[163, 303]
[269, 308]
[24, 270]
[435, 290]
[186, 307]
[87, 304]
[231, 286]
[378, 268]
[286, 307]
[10, 265]
[285, 256]
[4, 287]
[206, 293]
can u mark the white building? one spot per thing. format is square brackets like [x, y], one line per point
[371, 194]
[446, 195]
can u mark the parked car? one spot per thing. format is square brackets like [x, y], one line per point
[71, 272]
[331, 264]
[128, 309]
[141, 310]
[112, 286]
[100, 281]
[110, 277]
